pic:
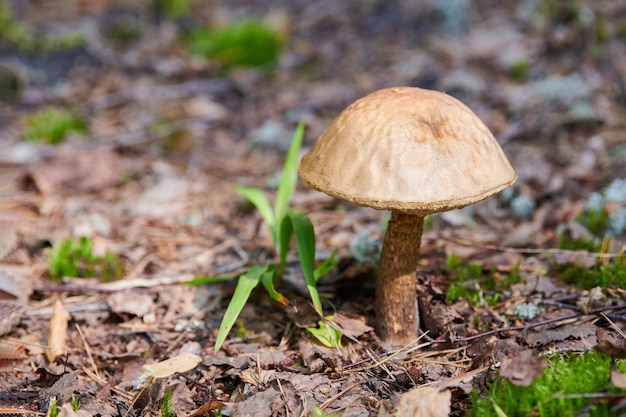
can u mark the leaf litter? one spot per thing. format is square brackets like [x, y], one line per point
[170, 138]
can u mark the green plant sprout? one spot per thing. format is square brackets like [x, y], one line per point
[75, 258]
[559, 391]
[318, 412]
[326, 334]
[53, 125]
[283, 225]
[174, 8]
[248, 43]
[166, 405]
[75, 402]
[479, 286]
[53, 408]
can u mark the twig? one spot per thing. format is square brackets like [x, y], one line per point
[280, 387]
[339, 394]
[389, 355]
[88, 350]
[531, 325]
[613, 325]
[547, 251]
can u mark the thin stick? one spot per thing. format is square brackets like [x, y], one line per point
[614, 326]
[339, 394]
[284, 396]
[551, 251]
[531, 325]
[88, 350]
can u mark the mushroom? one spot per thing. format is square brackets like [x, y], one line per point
[413, 152]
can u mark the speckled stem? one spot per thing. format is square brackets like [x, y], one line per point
[397, 316]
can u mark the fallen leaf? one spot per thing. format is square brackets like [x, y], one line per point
[424, 402]
[523, 368]
[76, 170]
[589, 300]
[583, 332]
[610, 345]
[618, 378]
[181, 363]
[57, 338]
[352, 324]
[131, 302]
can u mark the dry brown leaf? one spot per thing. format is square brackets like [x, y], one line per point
[136, 303]
[610, 344]
[522, 369]
[57, 338]
[352, 324]
[78, 170]
[181, 363]
[424, 402]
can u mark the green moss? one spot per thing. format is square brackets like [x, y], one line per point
[53, 125]
[167, 409]
[479, 286]
[569, 243]
[559, 391]
[75, 258]
[249, 43]
[519, 70]
[605, 273]
[174, 8]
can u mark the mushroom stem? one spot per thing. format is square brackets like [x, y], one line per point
[397, 315]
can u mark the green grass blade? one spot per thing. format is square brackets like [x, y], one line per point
[325, 267]
[247, 283]
[267, 279]
[289, 177]
[201, 280]
[258, 200]
[284, 235]
[305, 242]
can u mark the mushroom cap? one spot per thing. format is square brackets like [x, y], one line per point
[407, 149]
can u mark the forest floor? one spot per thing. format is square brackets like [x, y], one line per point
[149, 185]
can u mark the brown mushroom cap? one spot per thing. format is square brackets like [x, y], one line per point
[408, 149]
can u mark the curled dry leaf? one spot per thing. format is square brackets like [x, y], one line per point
[424, 402]
[57, 337]
[181, 363]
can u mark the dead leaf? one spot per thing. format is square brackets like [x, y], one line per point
[610, 345]
[589, 300]
[62, 389]
[618, 378]
[463, 381]
[352, 324]
[257, 377]
[424, 402]
[583, 332]
[57, 338]
[523, 368]
[78, 171]
[130, 302]
[181, 363]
